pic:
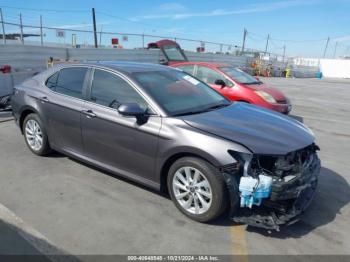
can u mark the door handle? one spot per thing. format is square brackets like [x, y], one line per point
[89, 113]
[44, 99]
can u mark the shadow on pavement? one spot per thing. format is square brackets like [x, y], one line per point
[119, 177]
[12, 243]
[333, 193]
[16, 245]
[5, 115]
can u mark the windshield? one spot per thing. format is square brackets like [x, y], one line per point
[239, 75]
[179, 93]
[173, 53]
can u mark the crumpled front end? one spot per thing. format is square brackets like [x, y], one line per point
[282, 187]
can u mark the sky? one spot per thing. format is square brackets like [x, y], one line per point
[301, 26]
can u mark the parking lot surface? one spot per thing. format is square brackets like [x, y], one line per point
[82, 210]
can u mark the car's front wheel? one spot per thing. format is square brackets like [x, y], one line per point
[35, 135]
[197, 189]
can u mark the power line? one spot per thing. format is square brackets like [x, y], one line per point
[109, 15]
[102, 13]
[275, 45]
[150, 25]
[45, 10]
[254, 38]
[299, 41]
[287, 40]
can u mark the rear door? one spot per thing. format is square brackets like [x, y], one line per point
[115, 141]
[63, 107]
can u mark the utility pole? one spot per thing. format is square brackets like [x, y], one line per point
[325, 50]
[267, 43]
[3, 28]
[21, 26]
[94, 23]
[284, 52]
[41, 31]
[335, 49]
[244, 37]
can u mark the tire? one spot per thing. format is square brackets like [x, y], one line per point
[211, 200]
[33, 128]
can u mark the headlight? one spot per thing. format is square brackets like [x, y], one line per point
[267, 97]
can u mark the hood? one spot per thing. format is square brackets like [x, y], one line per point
[275, 93]
[260, 130]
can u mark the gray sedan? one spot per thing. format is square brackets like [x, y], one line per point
[167, 130]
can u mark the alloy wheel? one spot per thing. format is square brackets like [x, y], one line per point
[192, 190]
[33, 135]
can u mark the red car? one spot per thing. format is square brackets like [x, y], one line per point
[237, 85]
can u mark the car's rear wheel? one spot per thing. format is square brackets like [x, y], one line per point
[35, 135]
[197, 189]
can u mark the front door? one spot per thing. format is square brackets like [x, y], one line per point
[117, 142]
[209, 76]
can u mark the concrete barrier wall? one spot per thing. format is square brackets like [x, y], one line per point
[23, 57]
[146, 56]
[239, 61]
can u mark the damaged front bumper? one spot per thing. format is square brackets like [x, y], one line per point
[286, 203]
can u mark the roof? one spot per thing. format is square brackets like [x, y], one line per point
[131, 67]
[209, 64]
[126, 67]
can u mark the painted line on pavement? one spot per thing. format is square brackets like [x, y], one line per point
[239, 242]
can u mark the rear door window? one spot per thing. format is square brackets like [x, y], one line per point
[70, 81]
[174, 53]
[52, 81]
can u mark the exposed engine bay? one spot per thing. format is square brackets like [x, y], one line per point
[273, 190]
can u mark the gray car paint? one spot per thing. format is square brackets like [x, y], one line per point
[142, 152]
[262, 131]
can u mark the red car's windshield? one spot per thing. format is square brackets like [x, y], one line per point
[179, 93]
[240, 76]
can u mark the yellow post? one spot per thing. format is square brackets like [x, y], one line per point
[288, 72]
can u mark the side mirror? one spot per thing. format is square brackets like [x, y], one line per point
[131, 109]
[220, 82]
